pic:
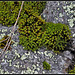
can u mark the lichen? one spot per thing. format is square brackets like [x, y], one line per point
[50, 55]
[23, 57]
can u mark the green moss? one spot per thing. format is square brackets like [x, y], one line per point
[3, 43]
[46, 65]
[31, 30]
[57, 36]
[35, 32]
[9, 10]
[72, 71]
[56, 52]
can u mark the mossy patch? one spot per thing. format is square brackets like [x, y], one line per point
[31, 30]
[72, 71]
[9, 10]
[3, 43]
[46, 65]
[57, 36]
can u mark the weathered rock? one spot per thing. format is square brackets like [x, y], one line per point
[68, 54]
[73, 46]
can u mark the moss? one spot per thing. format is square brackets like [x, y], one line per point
[2, 44]
[46, 65]
[35, 32]
[31, 30]
[72, 71]
[9, 10]
[57, 52]
[57, 36]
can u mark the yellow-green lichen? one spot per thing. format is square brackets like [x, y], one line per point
[17, 54]
[50, 55]
[23, 57]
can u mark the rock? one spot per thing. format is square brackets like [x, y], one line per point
[4, 30]
[73, 35]
[23, 57]
[0, 25]
[56, 72]
[45, 53]
[17, 54]
[3, 35]
[68, 54]
[43, 72]
[7, 72]
[35, 72]
[73, 46]
[0, 37]
[28, 53]
[22, 72]
[50, 54]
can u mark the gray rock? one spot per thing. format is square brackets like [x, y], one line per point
[68, 54]
[73, 45]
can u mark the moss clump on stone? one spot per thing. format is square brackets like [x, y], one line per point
[57, 36]
[35, 32]
[31, 30]
[46, 65]
[9, 10]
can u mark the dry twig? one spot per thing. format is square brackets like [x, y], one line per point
[11, 35]
[5, 39]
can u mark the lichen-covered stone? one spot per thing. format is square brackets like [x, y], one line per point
[38, 69]
[17, 54]
[73, 35]
[3, 60]
[35, 72]
[0, 37]
[50, 55]
[10, 64]
[46, 53]
[4, 30]
[23, 57]
[6, 72]
[43, 72]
